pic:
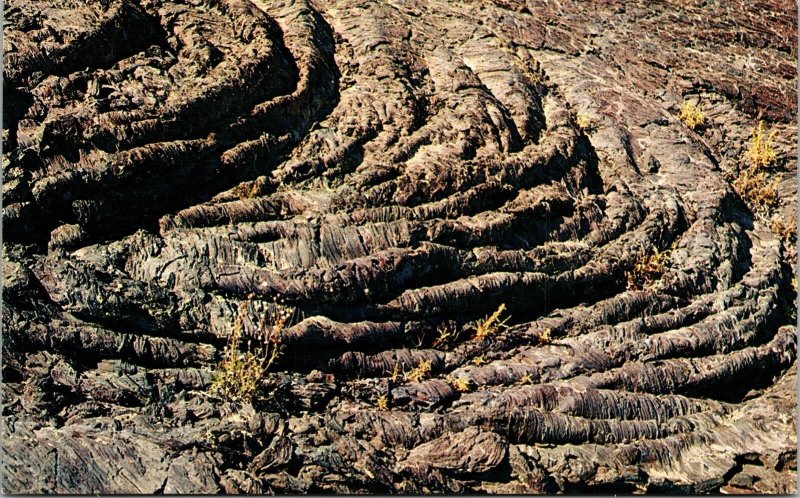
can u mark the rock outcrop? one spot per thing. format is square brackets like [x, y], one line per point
[396, 171]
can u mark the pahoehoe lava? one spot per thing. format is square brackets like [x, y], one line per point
[392, 168]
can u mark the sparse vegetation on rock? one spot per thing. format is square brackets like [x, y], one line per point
[419, 372]
[648, 269]
[492, 324]
[240, 373]
[754, 184]
[585, 123]
[757, 189]
[691, 115]
[761, 153]
[396, 171]
[383, 402]
[460, 383]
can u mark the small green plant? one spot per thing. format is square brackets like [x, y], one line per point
[491, 325]
[479, 360]
[648, 270]
[761, 152]
[241, 371]
[691, 115]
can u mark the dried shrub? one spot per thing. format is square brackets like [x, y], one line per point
[420, 372]
[460, 383]
[787, 232]
[753, 183]
[395, 374]
[585, 123]
[491, 325]
[241, 371]
[448, 336]
[756, 189]
[648, 270]
[247, 190]
[761, 152]
[691, 115]
[382, 402]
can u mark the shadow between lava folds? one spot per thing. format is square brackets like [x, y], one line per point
[96, 175]
[522, 301]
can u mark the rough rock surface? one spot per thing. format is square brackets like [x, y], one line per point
[391, 168]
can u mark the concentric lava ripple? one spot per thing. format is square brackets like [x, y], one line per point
[395, 171]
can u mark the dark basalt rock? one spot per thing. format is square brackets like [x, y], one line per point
[393, 170]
